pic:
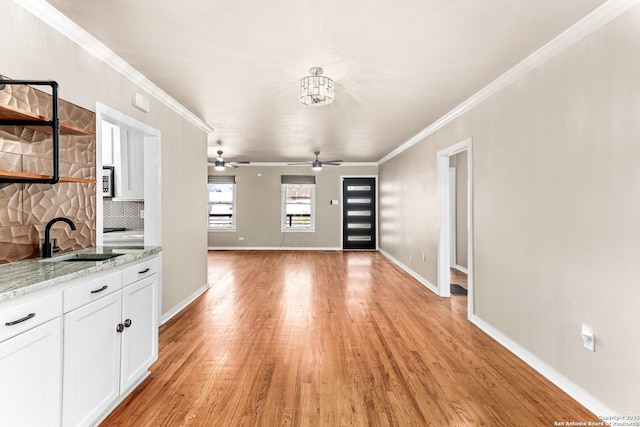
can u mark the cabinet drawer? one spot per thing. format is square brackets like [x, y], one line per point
[23, 316]
[91, 290]
[139, 271]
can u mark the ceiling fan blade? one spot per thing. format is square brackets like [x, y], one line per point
[240, 163]
[230, 165]
[333, 162]
[299, 163]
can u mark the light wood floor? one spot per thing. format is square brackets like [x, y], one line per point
[333, 339]
[459, 278]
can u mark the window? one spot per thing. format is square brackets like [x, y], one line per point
[222, 203]
[298, 202]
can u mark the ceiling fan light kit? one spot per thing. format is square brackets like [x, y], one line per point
[316, 89]
[219, 164]
[316, 165]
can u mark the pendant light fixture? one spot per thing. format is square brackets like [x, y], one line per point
[316, 89]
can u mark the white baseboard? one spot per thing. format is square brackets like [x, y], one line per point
[178, 308]
[566, 385]
[412, 273]
[461, 269]
[267, 248]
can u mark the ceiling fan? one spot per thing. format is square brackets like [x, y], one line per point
[219, 164]
[316, 165]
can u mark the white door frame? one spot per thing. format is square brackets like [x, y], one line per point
[444, 219]
[152, 173]
[152, 181]
[453, 235]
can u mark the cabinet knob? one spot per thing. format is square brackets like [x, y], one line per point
[127, 323]
[120, 327]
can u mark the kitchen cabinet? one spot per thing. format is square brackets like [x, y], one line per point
[91, 360]
[30, 360]
[128, 154]
[111, 336]
[110, 134]
[140, 339]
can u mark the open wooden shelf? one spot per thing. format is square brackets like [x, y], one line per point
[12, 116]
[23, 175]
[38, 122]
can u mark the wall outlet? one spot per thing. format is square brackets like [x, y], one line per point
[411, 258]
[141, 213]
[424, 258]
[240, 238]
[588, 339]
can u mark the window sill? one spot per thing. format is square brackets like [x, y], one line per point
[222, 230]
[298, 230]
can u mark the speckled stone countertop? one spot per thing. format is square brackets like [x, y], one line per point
[24, 277]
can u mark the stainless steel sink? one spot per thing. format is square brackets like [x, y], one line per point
[82, 257]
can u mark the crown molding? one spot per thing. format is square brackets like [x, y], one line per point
[280, 164]
[54, 18]
[594, 20]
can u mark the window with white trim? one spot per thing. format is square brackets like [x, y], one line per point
[298, 202]
[222, 202]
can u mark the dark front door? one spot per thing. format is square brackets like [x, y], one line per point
[359, 213]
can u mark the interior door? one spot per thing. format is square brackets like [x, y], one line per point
[359, 213]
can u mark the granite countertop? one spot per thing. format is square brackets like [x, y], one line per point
[139, 234]
[24, 277]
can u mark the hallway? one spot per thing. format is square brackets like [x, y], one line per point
[287, 338]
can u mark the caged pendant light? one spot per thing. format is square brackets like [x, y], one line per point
[316, 89]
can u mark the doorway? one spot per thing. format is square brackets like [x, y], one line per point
[359, 213]
[447, 215]
[151, 140]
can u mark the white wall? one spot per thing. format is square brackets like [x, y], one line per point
[33, 50]
[555, 210]
[258, 207]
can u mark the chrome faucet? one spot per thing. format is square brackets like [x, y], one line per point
[46, 246]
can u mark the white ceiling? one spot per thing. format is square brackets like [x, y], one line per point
[398, 66]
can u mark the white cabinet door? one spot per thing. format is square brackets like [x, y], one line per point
[91, 360]
[110, 137]
[30, 394]
[140, 337]
[129, 158]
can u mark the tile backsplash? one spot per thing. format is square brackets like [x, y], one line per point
[25, 209]
[123, 214]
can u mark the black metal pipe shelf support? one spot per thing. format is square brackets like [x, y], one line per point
[54, 123]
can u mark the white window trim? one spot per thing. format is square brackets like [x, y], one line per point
[283, 212]
[232, 229]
